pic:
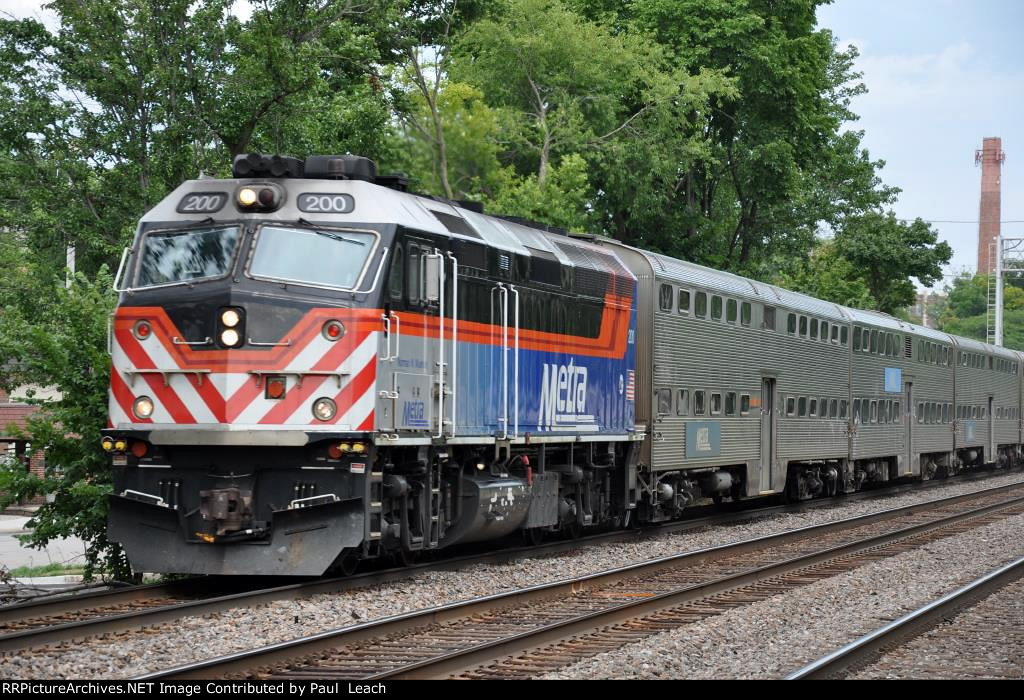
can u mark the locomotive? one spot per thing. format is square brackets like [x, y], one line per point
[312, 366]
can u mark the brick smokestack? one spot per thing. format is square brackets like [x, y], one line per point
[991, 158]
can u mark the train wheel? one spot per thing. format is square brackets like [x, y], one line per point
[348, 563]
[533, 536]
[405, 557]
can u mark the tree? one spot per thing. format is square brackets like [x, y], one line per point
[888, 252]
[826, 274]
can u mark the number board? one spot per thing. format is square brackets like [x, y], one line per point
[202, 202]
[321, 202]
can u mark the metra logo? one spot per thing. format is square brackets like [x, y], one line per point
[563, 399]
[704, 440]
[414, 414]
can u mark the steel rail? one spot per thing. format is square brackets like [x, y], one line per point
[909, 626]
[281, 653]
[105, 622]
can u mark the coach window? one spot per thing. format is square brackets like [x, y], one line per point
[700, 305]
[947, 412]
[984, 412]
[856, 411]
[835, 334]
[842, 409]
[959, 412]
[856, 338]
[683, 402]
[716, 404]
[823, 408]
[865, 409]
[730, 403]
[790, 406]
[744, 404]
[803, 326]
[716, 308]
[812, 409]
[999, 412]
[745, 314]
[730, 311]
[896, 411]
[824, 331]
[684, 301]
[791, 324]
[884, 408]
[802, 406]
[665, 297]
[976, 413]
[874, 412]
[814, 329]
[920, 412]
[945, 356]
[890, 345]
[844, 334]
[698, 403]
[664, 402]
[768, 322]
[873, 346]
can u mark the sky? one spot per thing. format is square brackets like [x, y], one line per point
[941, 75]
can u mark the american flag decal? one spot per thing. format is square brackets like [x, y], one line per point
[630, 385]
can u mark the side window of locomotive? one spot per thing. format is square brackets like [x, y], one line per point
[684, 301]
[716, 308]
[700, 309]
[730, 311]
[683, 402]
[664, 402]
[768, 322]
[414, 262]
[396, 280]
[698, 403]
[745, 313]
[665, 297]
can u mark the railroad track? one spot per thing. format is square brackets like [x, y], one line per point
[528, 632]
[977, 631]
[57, 619]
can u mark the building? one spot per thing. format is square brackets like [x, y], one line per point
[13, 446]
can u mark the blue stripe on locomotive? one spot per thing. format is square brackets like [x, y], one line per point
[559, 392]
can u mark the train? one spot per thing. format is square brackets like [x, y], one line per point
[313, 366]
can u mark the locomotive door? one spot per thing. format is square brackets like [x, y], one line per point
[767, 432]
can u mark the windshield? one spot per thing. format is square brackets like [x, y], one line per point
[183, 256]
[319, 257]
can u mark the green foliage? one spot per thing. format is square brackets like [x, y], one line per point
[826, 274]
[62, 346]
[887, 252]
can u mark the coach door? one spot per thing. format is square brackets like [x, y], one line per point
[990, 450]
[908, 434]
[767, 432]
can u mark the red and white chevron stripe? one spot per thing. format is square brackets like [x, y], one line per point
[218, 387]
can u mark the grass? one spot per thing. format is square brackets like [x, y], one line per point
[52, 569]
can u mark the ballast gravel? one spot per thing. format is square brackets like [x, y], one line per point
[195, 638]
[772, 638]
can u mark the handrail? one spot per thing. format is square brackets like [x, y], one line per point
[440, 342]
[120, 269]
[455, 340]
[515, 416]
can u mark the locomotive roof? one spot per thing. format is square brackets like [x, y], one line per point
[375, 204]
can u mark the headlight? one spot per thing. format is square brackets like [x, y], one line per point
[107, 444]
[230, 318]
[324, 409]
[142, 408]
[247, 196]
[229, 337]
